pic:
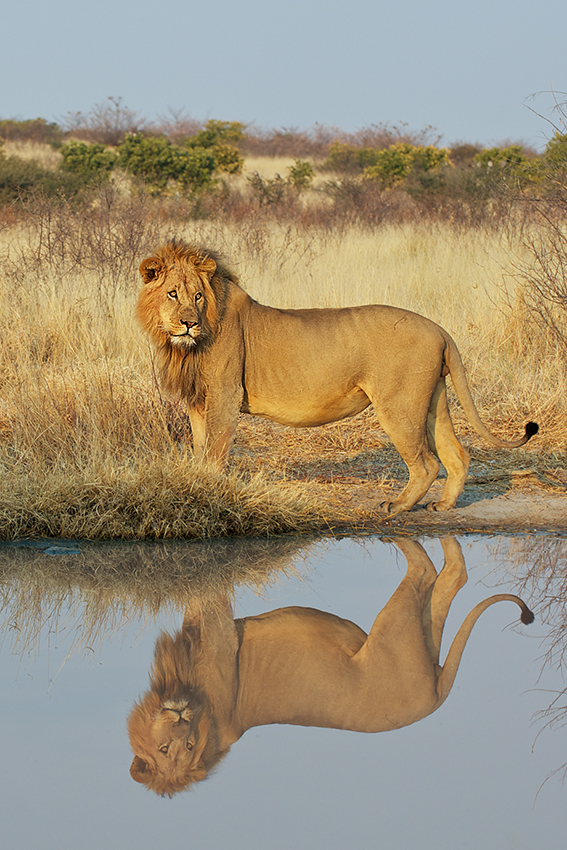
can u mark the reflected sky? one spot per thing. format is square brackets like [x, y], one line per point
[467, 775]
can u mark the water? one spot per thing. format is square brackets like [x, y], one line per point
[477, 773]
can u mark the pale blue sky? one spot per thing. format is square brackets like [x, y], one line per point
[466, 69]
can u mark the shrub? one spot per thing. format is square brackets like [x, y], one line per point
[19, 178]
[553, 164]
[196, 167]
[107, 123]
[218, 132]
[394, 164]
[509, 165]
[34, 130]
[89, 160]
[106, 237]
[301, 174]
[463, 154]
[226, 158]
[149, 159]
[216, 139]
[288, 142]
[349, 159]
[156, 162]
[268, 192]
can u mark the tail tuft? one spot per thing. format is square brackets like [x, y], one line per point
[531, 429]
[527, 616]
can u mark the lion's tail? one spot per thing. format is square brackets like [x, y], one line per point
[449, 671]
[460, 383]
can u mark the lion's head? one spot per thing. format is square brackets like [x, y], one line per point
[181, 301]
[172, 729]
[181, 306]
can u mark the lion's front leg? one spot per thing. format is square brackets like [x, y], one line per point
[213, 429]
[197, 419]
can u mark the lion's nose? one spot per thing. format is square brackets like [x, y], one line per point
[189, 325]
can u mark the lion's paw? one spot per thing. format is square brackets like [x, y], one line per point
[438, 506]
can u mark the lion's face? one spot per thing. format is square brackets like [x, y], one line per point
[169, 739]
[177, 303]
[175, 732]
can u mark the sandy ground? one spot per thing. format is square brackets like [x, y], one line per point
[351, 468]
[513, 504]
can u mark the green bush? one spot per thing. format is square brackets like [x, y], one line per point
[92, 160]
[218, 132]
[216, 139]
[349, 159]
[150, 159]
[301, 173]
[509, 166]
[156, 162]
[395, 164]
[20, 178]
[227, 158]
[554, 161]
[196, 167]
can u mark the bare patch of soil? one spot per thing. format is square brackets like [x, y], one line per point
[482, 508]
[351, 468]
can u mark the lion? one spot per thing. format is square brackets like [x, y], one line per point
[298, 666]
[226, 354]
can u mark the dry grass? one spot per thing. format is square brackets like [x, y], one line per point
[45, 155]
[89, 448]
[268, 166]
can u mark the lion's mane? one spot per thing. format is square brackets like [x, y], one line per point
[172, 677]
[180, 370]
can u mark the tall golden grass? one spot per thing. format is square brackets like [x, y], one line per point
[89, 447]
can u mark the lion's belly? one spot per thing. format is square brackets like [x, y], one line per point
[305, 409]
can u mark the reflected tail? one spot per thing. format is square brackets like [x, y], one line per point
[449, 671]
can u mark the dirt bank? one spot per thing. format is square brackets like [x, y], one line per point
[518, 502]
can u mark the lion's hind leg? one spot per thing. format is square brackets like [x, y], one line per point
[411, 442]
[443, 442]
[450, 580]
[397, 653]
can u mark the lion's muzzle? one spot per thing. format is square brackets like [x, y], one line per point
[189, 335]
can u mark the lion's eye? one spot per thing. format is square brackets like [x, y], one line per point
[198, 296]
[172, 294]
[189, 745]
[164, 749]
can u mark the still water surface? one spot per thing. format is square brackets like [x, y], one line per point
[471, 775]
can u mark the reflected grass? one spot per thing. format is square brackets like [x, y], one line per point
[539, 569]
[91, 593]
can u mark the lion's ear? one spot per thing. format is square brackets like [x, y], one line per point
[207, 267]
[150, 269]
[139, 770]
[199, 773]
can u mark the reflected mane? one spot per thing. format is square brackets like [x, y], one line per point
[172, 678]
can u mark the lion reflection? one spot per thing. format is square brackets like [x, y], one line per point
[220, 676]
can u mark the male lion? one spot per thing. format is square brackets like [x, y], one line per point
[225, 354]
[299, 666]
